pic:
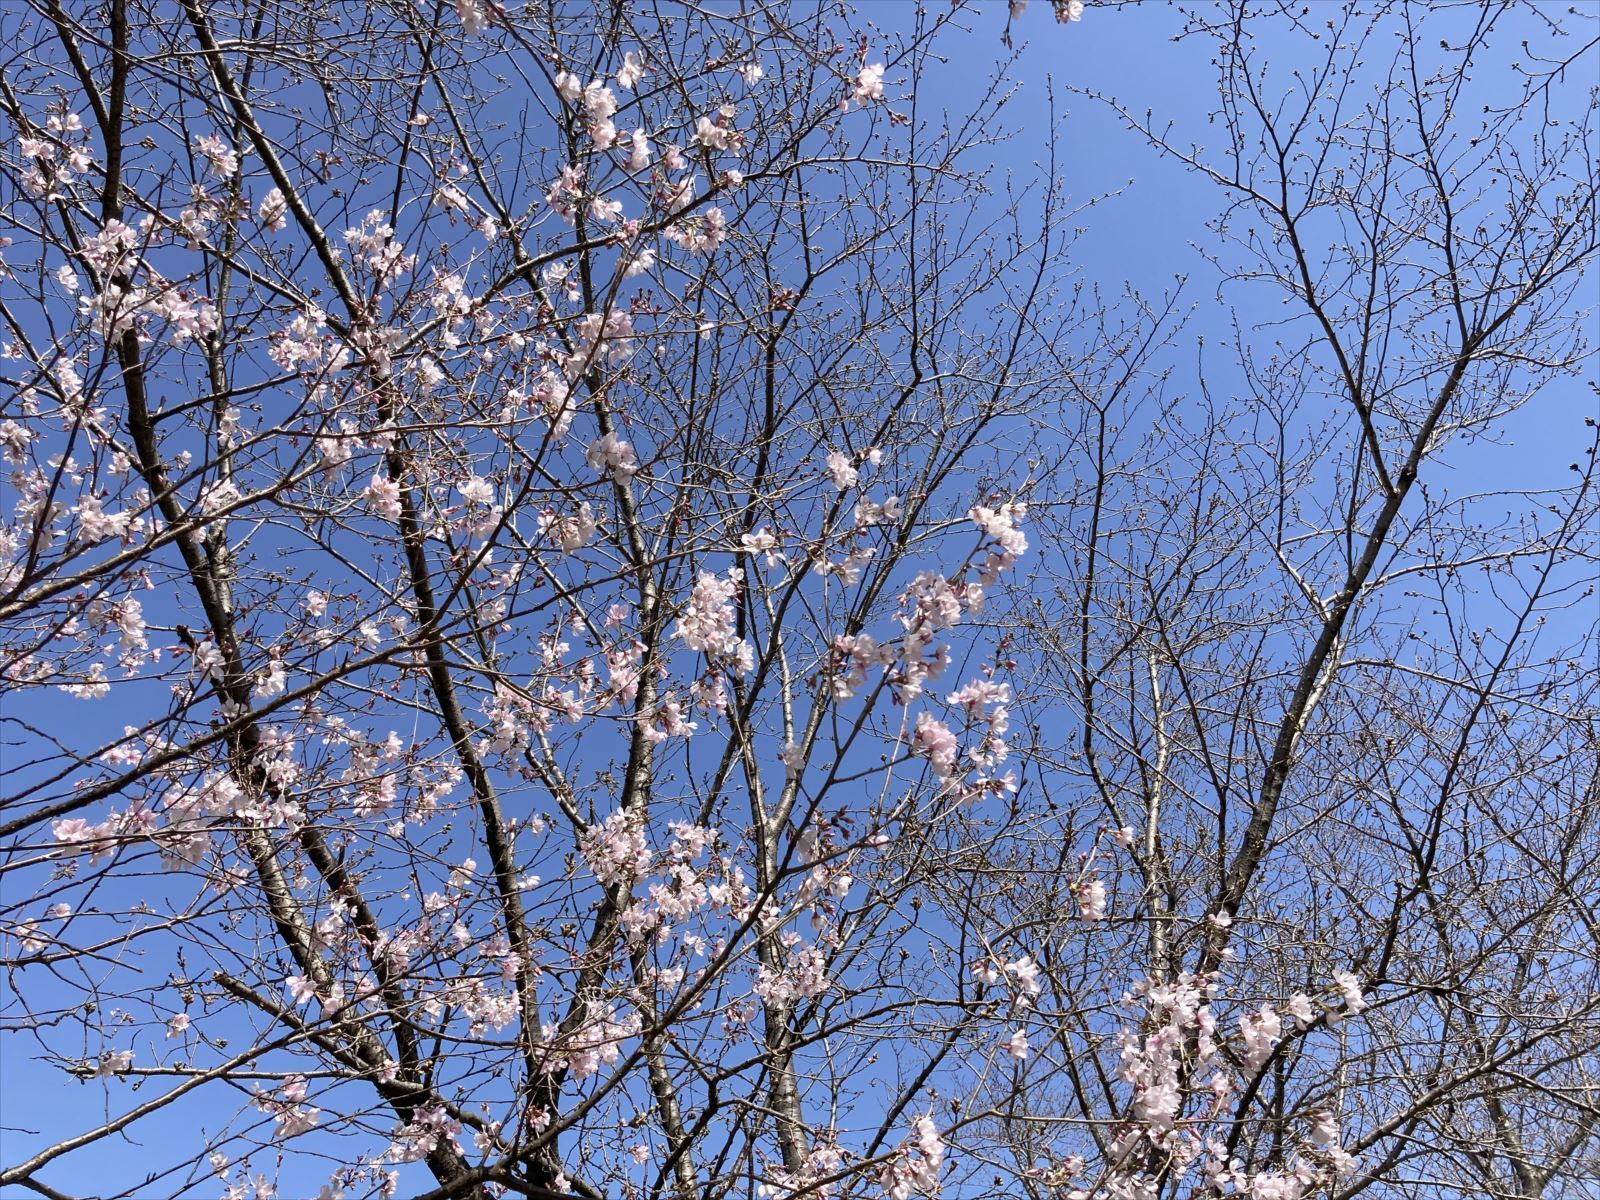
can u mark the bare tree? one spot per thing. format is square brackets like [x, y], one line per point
[1331, 671]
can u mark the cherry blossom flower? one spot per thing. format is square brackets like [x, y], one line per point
[302, 343]
[451, 198]
[709, 621]
[473, 15]
[869, 83]
[915, 1170]
[605, 211]
[93, 686]
[616, 850]
[565, 193]
[933, 740]
[273, 212]
[274, 680]
[1000, 526]
[1259, 1032]
[764, 542]
[383, 497]
[1091, 896]
[224, 161]
[476, 490]
[1299, 1007]
[631, 71]
[668, 721]
[840, 471]
[1350, 991]
[803, 975]
[600, 105]
[111, 1063]
[793, 757]
[612, 456]
[639, 151]
[1025, 973]
[718, 133]
[641, 263]
[701, 235]
[571, 531]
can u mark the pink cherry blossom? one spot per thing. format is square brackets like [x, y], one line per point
[273, 212]
[869, 83]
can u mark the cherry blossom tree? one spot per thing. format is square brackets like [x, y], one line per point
[579, 621]
[499, 526]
